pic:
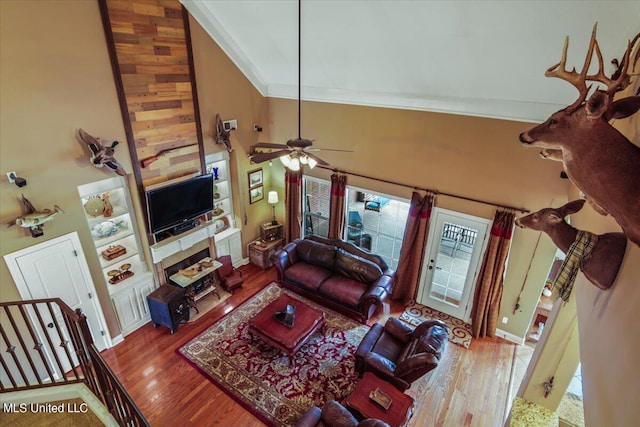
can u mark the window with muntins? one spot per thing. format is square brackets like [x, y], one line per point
[317, 194]
[376, 223]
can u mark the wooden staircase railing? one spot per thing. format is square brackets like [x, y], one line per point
[47, 344]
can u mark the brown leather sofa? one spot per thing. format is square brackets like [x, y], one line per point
[400, 354]
[336, 274]
[334, 414]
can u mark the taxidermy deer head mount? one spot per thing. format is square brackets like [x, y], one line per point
[598, 159]
[601, 268]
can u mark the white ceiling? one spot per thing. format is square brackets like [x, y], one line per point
[479, 58]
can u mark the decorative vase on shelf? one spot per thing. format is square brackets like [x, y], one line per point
[215, 173]
[108, 208]
[94, 206]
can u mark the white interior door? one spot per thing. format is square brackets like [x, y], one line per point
[456, 242]
[57, 268]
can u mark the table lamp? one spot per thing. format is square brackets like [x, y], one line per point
[272, 198]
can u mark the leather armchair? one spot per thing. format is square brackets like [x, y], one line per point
[334, 414]
[400, 354]
[230, 276]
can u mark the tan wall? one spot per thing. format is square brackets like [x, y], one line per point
[468, 156]
[55, 77]
[223, 90]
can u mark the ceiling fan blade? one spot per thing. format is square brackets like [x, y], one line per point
[263, 157]
[328, 149]
[317, 159]
[270, 145]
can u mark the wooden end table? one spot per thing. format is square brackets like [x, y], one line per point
[289, 340]
[398, 413]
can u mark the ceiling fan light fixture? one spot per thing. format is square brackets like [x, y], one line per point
[294, 164]
[304, 160]
[285, 160]
[311, 162]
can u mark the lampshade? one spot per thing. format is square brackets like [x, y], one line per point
[272, 197]
[285, 160]
[294, 164]
[311, 162]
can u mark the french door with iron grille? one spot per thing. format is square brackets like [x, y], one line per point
[456, 243]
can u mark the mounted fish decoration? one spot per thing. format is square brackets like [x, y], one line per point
[33, 219]
[101, 155]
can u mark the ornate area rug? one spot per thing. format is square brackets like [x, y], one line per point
[459, 331]
[207, 303]
[260, 377]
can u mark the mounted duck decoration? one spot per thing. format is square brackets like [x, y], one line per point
[222, 136]
[33, 219]
[101, 155]
[598, 159]
[598, 256]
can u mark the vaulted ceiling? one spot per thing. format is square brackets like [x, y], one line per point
[479, 58]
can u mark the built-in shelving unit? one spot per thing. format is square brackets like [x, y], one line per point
[111, 220]
[227, 237]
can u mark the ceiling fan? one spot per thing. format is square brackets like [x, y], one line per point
[296, 152]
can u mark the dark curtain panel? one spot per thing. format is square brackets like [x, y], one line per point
[489, 287]
[293, 204]
[413, 248]
[336, 206]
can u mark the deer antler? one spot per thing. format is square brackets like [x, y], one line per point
[578, 80]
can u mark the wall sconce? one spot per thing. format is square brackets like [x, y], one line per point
[272, 199]
[15, 179]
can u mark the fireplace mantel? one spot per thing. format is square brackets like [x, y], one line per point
[184, 241]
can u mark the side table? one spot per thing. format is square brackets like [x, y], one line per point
[396, 415]
[261, 251]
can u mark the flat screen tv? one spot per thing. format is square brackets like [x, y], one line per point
[178, 203]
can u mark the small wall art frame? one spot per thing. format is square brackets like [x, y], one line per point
[256, 194]
[255, 178]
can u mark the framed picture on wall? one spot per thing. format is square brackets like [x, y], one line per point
[256, 194]
[255, 178]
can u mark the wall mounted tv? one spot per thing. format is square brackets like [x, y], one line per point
[178, 204]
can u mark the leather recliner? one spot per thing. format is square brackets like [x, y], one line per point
[334, 414]
[400, 354]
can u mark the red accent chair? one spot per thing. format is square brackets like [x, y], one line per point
[230, 277]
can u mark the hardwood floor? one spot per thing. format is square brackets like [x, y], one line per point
[170, 392]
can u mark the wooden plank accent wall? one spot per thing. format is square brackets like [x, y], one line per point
[150, 51]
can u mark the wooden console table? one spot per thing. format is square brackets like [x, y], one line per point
[199, 285]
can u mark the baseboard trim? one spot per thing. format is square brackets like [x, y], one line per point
[510, 337]
[117, 340]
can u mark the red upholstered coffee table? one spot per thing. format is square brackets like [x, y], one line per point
[289, 340]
